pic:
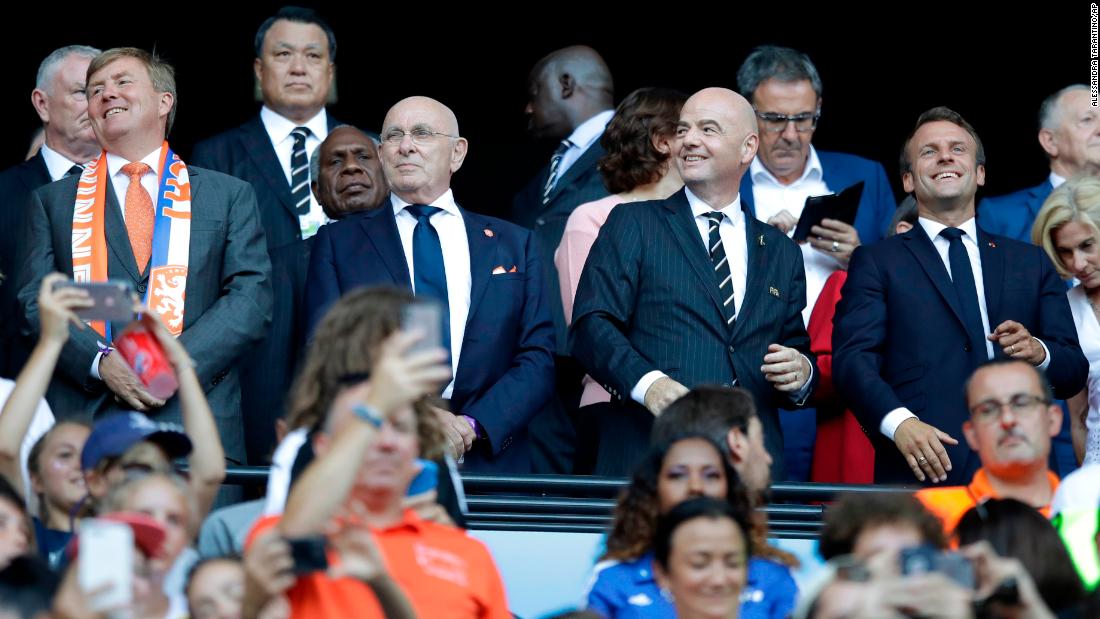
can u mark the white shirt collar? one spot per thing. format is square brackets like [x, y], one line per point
[700, 208]
[1055, 180]
[115, 162]
[813, 171]
[445, 202]
[590, 130]
[57, 165]
[279, 127]
[933, 228]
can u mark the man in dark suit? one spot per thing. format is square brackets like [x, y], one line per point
[921, 310]
[226, 301]
[689, 290]
[570, 100]
[68, 142]
[295, 55]
[1069, 132]
[484, 272]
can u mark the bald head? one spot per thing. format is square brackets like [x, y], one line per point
[566, 88]
[419, 170]
[717, 140]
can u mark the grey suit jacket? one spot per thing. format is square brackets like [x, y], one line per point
[228, 293]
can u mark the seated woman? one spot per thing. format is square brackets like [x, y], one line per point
[691, 465]
[701, 554]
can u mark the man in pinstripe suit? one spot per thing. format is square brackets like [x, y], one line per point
[689, 291]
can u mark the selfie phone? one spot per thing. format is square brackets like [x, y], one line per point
[426, 316]
[309, 554]
[426, 480]
[925, 559]
[112, 300]
[106, 555]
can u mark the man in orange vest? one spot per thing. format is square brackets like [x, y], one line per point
[1011, 424]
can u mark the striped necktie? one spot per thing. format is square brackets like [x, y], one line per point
[721, 264]
[299, 171]
[555, 165]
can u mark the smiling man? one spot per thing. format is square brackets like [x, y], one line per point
[921, 310]
[689, 290]
[187, 239]
[1012, 420]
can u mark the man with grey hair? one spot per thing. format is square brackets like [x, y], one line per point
[785, 90]
[1069, 133]
[58, 97]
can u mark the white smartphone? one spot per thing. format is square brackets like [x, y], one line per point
[425, 315]
[106, 556]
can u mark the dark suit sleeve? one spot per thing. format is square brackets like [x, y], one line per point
[242, 314]
[884, 204]
[604, 305]
[207, 155]
[1068, 370]
[322, 285]
[859, 337]
[527, 386]
[38, 262]
[794, 333]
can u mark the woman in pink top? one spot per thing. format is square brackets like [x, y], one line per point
[637, 167]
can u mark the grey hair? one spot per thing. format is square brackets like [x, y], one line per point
[779, 63]
[48, 67]
[1050, 112]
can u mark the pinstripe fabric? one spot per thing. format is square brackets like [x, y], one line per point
[647, 300]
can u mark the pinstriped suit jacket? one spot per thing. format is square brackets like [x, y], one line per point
[647, 300]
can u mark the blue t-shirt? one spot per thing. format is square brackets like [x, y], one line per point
[51, 543]
[628, 590]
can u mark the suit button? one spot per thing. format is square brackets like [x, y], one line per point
[141, 288]
[730, 349]
[540, 221]
[966, 347]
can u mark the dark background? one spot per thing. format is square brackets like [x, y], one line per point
[880, 67]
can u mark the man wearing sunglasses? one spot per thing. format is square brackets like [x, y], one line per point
[1011, 424]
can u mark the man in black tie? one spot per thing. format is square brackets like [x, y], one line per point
[689, 290]
[58, 97]
[921, 310]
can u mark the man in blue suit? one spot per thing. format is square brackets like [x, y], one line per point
[785, 89]
[691, 290]
[484, 271]
[1069, 132]
[921, 310]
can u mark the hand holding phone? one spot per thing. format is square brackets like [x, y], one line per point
[112, 300]
[106, 563]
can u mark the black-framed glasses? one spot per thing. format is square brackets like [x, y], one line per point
[1020, 404]
[419, 136]
[774, 122]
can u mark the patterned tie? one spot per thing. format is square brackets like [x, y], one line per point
[139, 214]
[299, 171]
[962, 276]
[555, 163]
[429, 272]
[721, 267]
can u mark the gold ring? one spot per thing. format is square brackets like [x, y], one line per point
[922, 460]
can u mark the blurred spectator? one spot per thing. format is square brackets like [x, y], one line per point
[215, 588]
[865, 525]
[1075, 512]
[16, 537]
[27, 587]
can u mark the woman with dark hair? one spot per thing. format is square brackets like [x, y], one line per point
[701, 552]
[686, 466]
[1016, 530]
[638, 166]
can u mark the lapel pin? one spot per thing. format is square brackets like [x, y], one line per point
[488, 233]
[762, 243]
[993, 245]
[773, 290]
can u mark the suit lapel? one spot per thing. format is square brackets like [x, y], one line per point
[917, 242]
[35, 173]
[258, 145]
[1036, 198]
[381, 230]
[585, 162]
[118, 239]
[756, 268]
[678, 214]
[483, 255]
[993, 269]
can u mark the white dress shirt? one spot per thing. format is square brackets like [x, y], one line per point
[582, 137]
[770, 197]
[894, 418]
[57, 165]
[733, 234]
[279, 130]
[451, 228]
[1056, 181]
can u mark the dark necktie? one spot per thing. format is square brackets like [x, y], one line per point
[299, 171]
[555, 165]
[429, 273]
[962, 277]
[721, 267]
[74, 171]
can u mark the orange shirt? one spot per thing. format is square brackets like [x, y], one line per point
[950, 503]
[444, 572]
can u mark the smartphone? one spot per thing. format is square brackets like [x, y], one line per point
[925, 559]
[309, 554]
[106, 556]
[426, 480]
[426, 316]
[113, 300]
